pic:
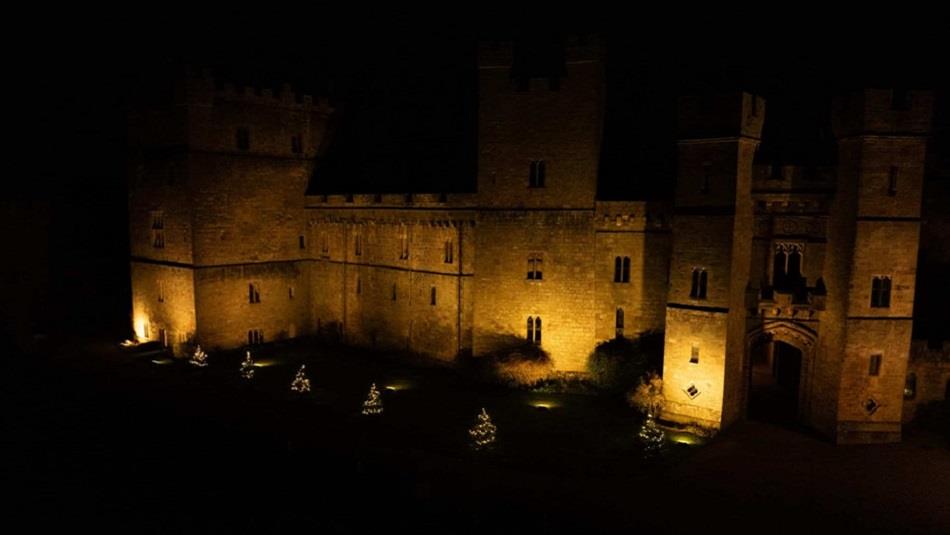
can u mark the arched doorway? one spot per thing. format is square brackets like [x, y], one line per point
[775, 378]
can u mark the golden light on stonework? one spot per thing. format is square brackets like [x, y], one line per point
[141, 331]
[544, 404]
[681, 437]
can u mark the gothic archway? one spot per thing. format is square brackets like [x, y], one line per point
[778, 365]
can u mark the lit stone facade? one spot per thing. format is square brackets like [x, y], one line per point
[228, 249]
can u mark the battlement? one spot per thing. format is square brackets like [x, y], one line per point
[720, 116]
[631, 215]
[392, 200]
[576, 49]
[205, 90]
[883, 112]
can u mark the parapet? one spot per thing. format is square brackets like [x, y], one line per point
[633, 216]
[883, 112]
[203, 90]
[720, 116]
[392, 200]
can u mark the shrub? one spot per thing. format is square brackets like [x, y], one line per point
[616, 365]
[648, 397]
[517, 363]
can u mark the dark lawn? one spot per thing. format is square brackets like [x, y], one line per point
[99, 441]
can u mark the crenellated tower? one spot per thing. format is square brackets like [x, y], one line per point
[873, 240]
[706, 308]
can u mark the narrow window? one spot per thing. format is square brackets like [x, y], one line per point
[910, 386]
[163, 336]
[394, 292]
[779, 267]
[158, 229]
[358, 245]
[161, 291]
[300, 242]
[324, 244]
[618, 323]
[702, 284]
[617, 269]
[794, 273]
[243, 138]
[694, 287]
[881, 292]
[537, 331]
[874, 365]
[530, 331]
[694, 355]
[449, 252]
[359, 285]
[290, 292]
[626, 269]
[534, 267]
[403, 242]
[296, 144]
[536, 176]
[253, 293]
[432, 296]
[892, 181]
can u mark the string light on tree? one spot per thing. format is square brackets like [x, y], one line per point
[483, 433]
[247, 367]
[652, 437]
[301, 383]
[373, 403]
[199, 358]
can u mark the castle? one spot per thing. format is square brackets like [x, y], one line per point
[760, 275]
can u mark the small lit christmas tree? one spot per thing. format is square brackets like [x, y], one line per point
[483, 433]
[247, 367]
[373, 403]
[652, 437]
[199, 358]
[301, 384]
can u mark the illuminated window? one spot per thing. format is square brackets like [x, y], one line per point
[910, 386]
[158, 229]
[892, 181]
[535, 262]
[296, 144]
[432, 296]
[694, 355]
[618, 323]
[449, 253]
[874, 365]
[698, 288]
[253, 293]
[403, 242]
[255, 337]
[881, 292]
[536, 175]
[243, 138]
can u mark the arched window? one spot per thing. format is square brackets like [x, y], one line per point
[253, 293]
[432, 296]
[794, 271]
[626, 269]
[537, 331]
[694, 287]
[530, 331]
[619, 322]
[618, 269]
[778, 268]
[702, 285]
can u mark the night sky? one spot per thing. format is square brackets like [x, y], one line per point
[407, 85]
